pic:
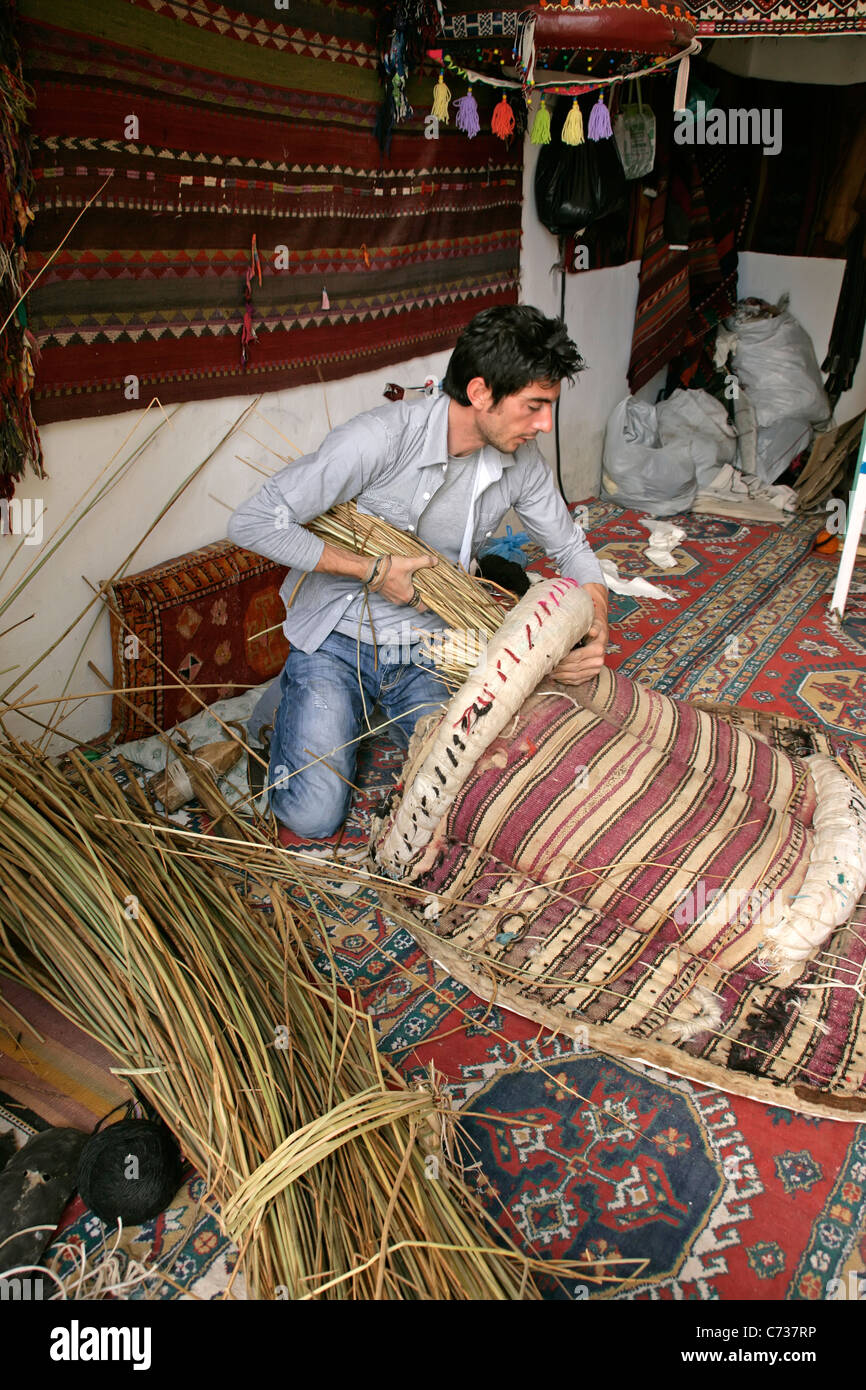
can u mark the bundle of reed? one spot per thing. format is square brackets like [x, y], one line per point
[308, 1140]
[447, 590]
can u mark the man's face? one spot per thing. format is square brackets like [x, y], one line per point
[516, 419]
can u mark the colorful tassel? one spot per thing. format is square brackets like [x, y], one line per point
[467, 115]
[326, 303]
[572, 131]
[599, 121]
[441, 100]
[503, 119]
[541, 125]
[254, 271]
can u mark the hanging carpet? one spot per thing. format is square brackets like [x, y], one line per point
[251, 236]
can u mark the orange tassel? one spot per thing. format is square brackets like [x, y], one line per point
[503, 119]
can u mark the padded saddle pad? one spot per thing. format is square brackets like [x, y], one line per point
[611, 867]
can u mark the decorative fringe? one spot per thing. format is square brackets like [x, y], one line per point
[404, 32]
[254, 270]
[467, 115]
[20, 446]
[572, 131]
[541, 125]
[525, 47]
[503, 119]
[599, 122]
[441, 100]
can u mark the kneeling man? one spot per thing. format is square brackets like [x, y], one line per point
[445, 469]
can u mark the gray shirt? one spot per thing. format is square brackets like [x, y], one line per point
[441, 526]
[393, 461]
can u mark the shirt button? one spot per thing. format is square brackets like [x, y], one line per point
[487, 533]
[426, 495]
[410, 528]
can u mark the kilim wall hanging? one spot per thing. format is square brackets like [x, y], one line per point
[251, 236]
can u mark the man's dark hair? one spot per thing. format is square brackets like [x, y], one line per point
[510, 346]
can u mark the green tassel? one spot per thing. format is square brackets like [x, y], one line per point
[541, 125]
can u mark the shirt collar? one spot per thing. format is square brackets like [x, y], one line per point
[435, 448]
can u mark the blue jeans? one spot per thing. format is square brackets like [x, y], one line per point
[321, 715]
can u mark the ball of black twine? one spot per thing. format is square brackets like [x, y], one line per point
[130, 1171]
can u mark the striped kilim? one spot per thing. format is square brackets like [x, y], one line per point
[685, 288]
[610, 869]
[214, 126]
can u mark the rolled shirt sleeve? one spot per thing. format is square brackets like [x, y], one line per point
[552, 527]
[273, 521]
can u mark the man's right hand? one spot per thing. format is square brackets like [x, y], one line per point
[399, 585]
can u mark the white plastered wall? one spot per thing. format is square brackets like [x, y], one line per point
[76, 453]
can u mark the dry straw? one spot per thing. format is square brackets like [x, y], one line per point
[447, 590]
[269, 1075]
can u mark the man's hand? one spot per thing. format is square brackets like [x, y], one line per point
[585, 662]
[399, 584]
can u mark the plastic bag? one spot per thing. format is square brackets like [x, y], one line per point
[774, 362]
[635, 133]
[639, 471]
[578, 184]
[700, 422]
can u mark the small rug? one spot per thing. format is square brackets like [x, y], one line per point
[582, 1156]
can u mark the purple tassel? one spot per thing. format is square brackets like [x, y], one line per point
[599, 122]
[467, 115]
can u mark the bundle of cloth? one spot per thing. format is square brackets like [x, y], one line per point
[690, 449]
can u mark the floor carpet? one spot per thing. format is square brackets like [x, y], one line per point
[673, 1190]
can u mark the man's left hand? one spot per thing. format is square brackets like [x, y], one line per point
[585, 662]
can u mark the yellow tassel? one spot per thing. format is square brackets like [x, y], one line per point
[541, 125]
[572, 131]
[441, 100]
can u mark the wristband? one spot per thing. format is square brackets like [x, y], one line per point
[371, 577]
[380, 574]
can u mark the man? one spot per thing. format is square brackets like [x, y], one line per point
[445, 469]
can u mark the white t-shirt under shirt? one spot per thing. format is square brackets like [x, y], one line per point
[446, 524]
